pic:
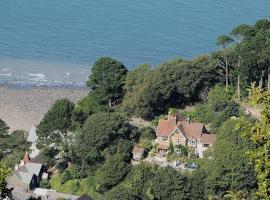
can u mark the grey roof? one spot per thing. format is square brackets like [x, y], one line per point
[25, 177]
[33, 168]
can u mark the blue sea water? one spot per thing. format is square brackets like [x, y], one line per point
[56, 41]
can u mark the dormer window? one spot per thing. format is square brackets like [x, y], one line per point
[192, 142]
[164, 138]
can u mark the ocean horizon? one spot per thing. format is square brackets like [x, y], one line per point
[54, 43]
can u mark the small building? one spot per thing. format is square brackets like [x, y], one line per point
[28, 174]
[162, 149]
[204, 142]
[138, 153]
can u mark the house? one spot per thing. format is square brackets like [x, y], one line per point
[204, 142]
[179, 131]
[28, 173]
[138, 153]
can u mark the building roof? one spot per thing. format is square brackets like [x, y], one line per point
[137, 149]
[84, 197]
[207, 139]
[33, 168]
[163, 146]
[37, 159]
[25, 177]
[166, 127]
[191, 129]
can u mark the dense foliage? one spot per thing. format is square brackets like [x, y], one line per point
[107, 79]
[13, 147]
[95, 135]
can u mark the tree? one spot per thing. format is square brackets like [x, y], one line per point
[148, 133]
[4, 190]
[258, 135]
[136, 77]
[169, 184]
[112, 172]
[229, 169]
[174, 83]
[103, 132]
[107, 79]
[3, 128]
[224, 41]
[239, 34]
[55, 127]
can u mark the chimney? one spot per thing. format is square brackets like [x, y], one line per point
[172, 117]
[26, 157]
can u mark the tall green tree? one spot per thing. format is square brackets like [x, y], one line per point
[3, 128]
[258, 135]
[230, 169]
[101, 136]
[111, 173]
[107, 78]
[55, 127]
[169, 184]
[224, 41]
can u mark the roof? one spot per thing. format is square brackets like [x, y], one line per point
[84, 197]
[191, 129]
[208, 139]
[33, 168]
[163, 146]
[25, 177]
[37, 159]
[165, 127]
[137, 149]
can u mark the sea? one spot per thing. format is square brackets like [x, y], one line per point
[55, 42]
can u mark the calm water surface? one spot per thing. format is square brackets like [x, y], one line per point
[45, 41]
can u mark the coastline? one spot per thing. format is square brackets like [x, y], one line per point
[22, 107]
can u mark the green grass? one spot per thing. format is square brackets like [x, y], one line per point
[75, 187]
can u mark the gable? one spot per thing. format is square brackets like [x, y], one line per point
[178, 132]
[165, 128]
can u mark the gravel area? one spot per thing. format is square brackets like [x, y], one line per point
[24, 108]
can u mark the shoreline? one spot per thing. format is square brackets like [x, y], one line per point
[24, 107]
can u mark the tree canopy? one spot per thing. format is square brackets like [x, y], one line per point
[54, 127]
[107, 78]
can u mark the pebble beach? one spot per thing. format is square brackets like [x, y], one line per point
[23, 108]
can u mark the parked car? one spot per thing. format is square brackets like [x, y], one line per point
[191, 166]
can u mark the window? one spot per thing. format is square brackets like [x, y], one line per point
[178, 141]
[206, 145]
[192, 142]
[164, 138]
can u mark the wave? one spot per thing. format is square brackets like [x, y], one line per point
[46, 84]
[7, 74]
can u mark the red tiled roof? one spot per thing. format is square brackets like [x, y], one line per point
[165, 127]
[192, 129]
[137, 149]
[207, 138]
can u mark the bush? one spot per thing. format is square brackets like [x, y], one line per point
[148, 133]
[62, 165]
[45, 184]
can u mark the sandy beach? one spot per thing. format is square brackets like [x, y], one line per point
[24, 108]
